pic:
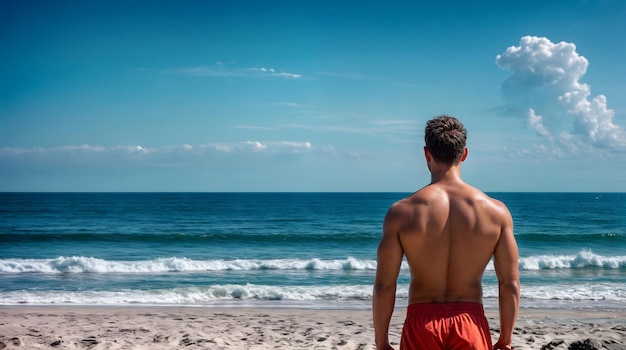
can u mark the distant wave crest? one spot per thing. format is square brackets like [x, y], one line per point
[584, 259]
[81, 264]
[253, 293]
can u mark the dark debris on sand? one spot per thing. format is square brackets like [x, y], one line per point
[587, 344]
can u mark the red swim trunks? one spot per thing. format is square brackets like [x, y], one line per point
[460, 326]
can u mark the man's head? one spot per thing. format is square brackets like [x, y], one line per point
[445, 138]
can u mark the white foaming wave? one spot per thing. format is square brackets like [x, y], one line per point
[218, 294]
[584, 259]
[80, 264]
[566, 292]
[575, 292]
[194, 295]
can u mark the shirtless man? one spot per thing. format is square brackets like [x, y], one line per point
[448, 231]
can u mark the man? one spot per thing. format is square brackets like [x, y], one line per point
[448, 231]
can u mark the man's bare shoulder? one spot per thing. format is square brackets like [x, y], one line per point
[497, 203]
[425, 195]
[399, 209]
[495, 206]
[408, 204]
[406, 208]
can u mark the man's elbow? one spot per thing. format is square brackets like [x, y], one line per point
[511, 287]
[384, 288]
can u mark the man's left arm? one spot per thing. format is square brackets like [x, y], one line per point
[389, 260]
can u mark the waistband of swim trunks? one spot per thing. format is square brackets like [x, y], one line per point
[445, 308]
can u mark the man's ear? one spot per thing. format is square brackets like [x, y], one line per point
[465, 151]
[427, 154]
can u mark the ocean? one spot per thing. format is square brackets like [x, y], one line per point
[280, 250]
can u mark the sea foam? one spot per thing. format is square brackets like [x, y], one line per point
[584, 259]
[252, 293]
[81, 264]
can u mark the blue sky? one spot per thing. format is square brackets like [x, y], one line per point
[309, 95]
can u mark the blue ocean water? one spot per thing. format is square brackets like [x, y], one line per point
[313, 250]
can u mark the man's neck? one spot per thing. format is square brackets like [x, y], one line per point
[447, 174]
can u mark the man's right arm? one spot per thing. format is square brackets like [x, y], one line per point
[506, 263]
[389, 260]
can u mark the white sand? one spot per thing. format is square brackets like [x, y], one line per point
[73, 327]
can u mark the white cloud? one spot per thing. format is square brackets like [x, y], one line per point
[222, 148]
[545, 85]
[82, 148]
[272, 72]
[291, 104]
[296, 145]
[536, 122]
[253, 127]
[92, 152]
[228, 70]
[388, 129]
[69, 149]
[136, 149]
[279, 146]
[275, 146]
[256, 145]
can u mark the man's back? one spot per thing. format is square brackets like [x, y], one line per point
[448, 233]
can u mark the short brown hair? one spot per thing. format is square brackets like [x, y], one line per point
[445, 138]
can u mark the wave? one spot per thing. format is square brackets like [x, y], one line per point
[584, 259]
[580, 238]
[216, 294]
[198, 236]
[192, 295]
[81, 264]
[178, 237]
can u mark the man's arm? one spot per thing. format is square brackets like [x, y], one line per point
[506, 261]
[389, 261]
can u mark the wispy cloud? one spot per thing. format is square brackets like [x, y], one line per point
[253, 127]
[545, 88]
[348, 75]
[229, 70]
[391, 129]
[94, 154]
[356, 76]
[279, 146]
[292, 105]
[330, 127]
[16, 151]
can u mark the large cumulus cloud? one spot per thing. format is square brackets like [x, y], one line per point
[545, 86]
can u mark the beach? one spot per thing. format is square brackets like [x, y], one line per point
[220, 271]
[162, 327]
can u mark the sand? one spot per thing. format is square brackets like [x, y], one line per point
[79, 327]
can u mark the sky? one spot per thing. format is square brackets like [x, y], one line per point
[206, 96]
